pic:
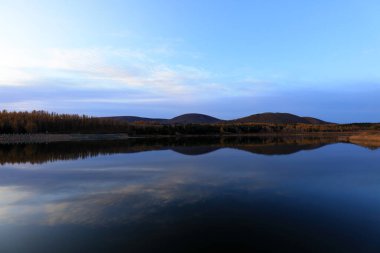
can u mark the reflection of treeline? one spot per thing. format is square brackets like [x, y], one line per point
[45, 152]
[43, 122]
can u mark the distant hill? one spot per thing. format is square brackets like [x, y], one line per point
[189, 118]
[134, 119]
[197, 118]
[194, 118]
[279, 118]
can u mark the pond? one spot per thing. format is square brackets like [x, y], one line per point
[190, 195]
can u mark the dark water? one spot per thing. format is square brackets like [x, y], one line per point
[195, 195]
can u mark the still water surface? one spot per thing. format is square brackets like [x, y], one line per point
[240, 196]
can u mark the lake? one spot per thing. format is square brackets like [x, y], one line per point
[190, 195]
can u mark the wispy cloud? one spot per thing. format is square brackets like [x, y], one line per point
[59, 79]
[104, 68]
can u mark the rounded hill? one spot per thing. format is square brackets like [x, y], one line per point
[279, 118]
[194, 118]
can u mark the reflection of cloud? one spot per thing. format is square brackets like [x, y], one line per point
[11, 204]
[113, 195]
[129, 203]
[12, 195]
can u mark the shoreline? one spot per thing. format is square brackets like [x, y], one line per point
[48, 138]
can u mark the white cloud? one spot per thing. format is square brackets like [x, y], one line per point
[14, 77]
[99, 68]
[26, 105]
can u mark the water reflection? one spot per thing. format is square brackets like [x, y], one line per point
[47, 152]
[324, 200]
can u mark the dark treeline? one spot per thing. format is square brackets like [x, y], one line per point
[44, 122]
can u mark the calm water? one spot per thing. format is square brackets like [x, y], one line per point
[255, 195]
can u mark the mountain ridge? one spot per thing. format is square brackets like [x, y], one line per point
[198, 118]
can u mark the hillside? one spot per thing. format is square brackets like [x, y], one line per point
[312, 120]
[135, 119]
[189, 118]
[278, 118]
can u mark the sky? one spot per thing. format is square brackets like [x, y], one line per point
[162, 58]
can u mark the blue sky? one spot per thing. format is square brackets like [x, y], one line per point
[163, 58]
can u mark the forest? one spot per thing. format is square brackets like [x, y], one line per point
[45, 122]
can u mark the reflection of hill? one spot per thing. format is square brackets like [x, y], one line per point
[195, 150]
[46, 152]
[280, 149]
